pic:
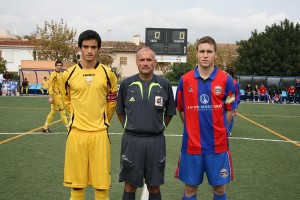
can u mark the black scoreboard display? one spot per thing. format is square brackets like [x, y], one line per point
[167, 42]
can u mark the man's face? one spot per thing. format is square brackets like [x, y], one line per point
[145, 61]
[89, 50]
[58, 66]
[206, 55]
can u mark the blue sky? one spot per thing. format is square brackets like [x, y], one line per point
[225, 20]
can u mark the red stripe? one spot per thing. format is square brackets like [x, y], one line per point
[221, 142]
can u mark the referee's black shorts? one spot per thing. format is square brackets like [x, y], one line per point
[143, 158]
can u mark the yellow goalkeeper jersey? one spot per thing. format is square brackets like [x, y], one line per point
[55, 83]
[90, 96]
[45, 84]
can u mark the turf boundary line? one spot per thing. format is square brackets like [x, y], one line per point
[22, 134]
[269, 130]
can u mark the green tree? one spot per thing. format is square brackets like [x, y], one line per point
[54, 41]
[274, 52]
[2, 64]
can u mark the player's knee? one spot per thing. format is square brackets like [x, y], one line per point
[220, 189]
[101, 194]
[153, 189]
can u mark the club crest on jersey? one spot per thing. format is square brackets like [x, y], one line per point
[204, 98]
[88, 80]
[218, 90]
[224, 173]
[190, 89]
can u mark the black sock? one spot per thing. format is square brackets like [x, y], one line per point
[128, 196]
[155, 196]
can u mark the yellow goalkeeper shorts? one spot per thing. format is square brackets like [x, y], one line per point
[57, 103]
[87, 159]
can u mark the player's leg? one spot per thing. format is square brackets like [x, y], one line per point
[131, 162]
[190, 171]
[76, 161]
[77, 194]
[42, 90]
[58, 101]
[99, 164]
[219, 173]
[49, 120]
[26, 89]
[155, 165]
[101, 194]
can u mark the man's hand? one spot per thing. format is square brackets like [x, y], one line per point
[50, 100]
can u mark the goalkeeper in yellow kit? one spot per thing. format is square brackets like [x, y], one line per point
[55, 97]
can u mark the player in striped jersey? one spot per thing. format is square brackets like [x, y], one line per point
[90, 98]
[205, 100]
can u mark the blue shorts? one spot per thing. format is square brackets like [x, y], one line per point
[218, 168]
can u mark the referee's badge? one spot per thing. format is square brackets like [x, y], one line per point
[158, 101]
[88, 80]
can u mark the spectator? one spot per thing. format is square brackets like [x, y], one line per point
[297, 91]
[249, 92]
[45, 85]
[7, 76]
[278, 95]
[25, 85]
[262, 92]
[271, 94]
[291, 94]
[256, 93]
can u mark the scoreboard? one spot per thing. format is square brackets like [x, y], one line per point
[170, 45]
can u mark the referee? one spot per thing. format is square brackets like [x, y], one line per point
[145, 107]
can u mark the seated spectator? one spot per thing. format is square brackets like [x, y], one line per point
[249, 92]
[271, 94]
[45, 86]
[262, 92]
[291, 94]
[25, 85]
[256, 93]
[278, 95]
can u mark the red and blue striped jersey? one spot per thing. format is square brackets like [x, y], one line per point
[204, 103]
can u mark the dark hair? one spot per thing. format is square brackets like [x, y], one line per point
[230, 72]
[89, 35]
[58, 62]
[207, 39]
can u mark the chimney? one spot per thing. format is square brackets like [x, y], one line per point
[136, 40]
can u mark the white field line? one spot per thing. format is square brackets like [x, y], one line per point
[168, 135]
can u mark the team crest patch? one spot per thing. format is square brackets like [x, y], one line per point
[218, 90]
[158, 101]
[190, 89]
[224, 173]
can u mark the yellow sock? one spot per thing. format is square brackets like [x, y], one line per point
[49, 119]
[77, 194]
[101, 194]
